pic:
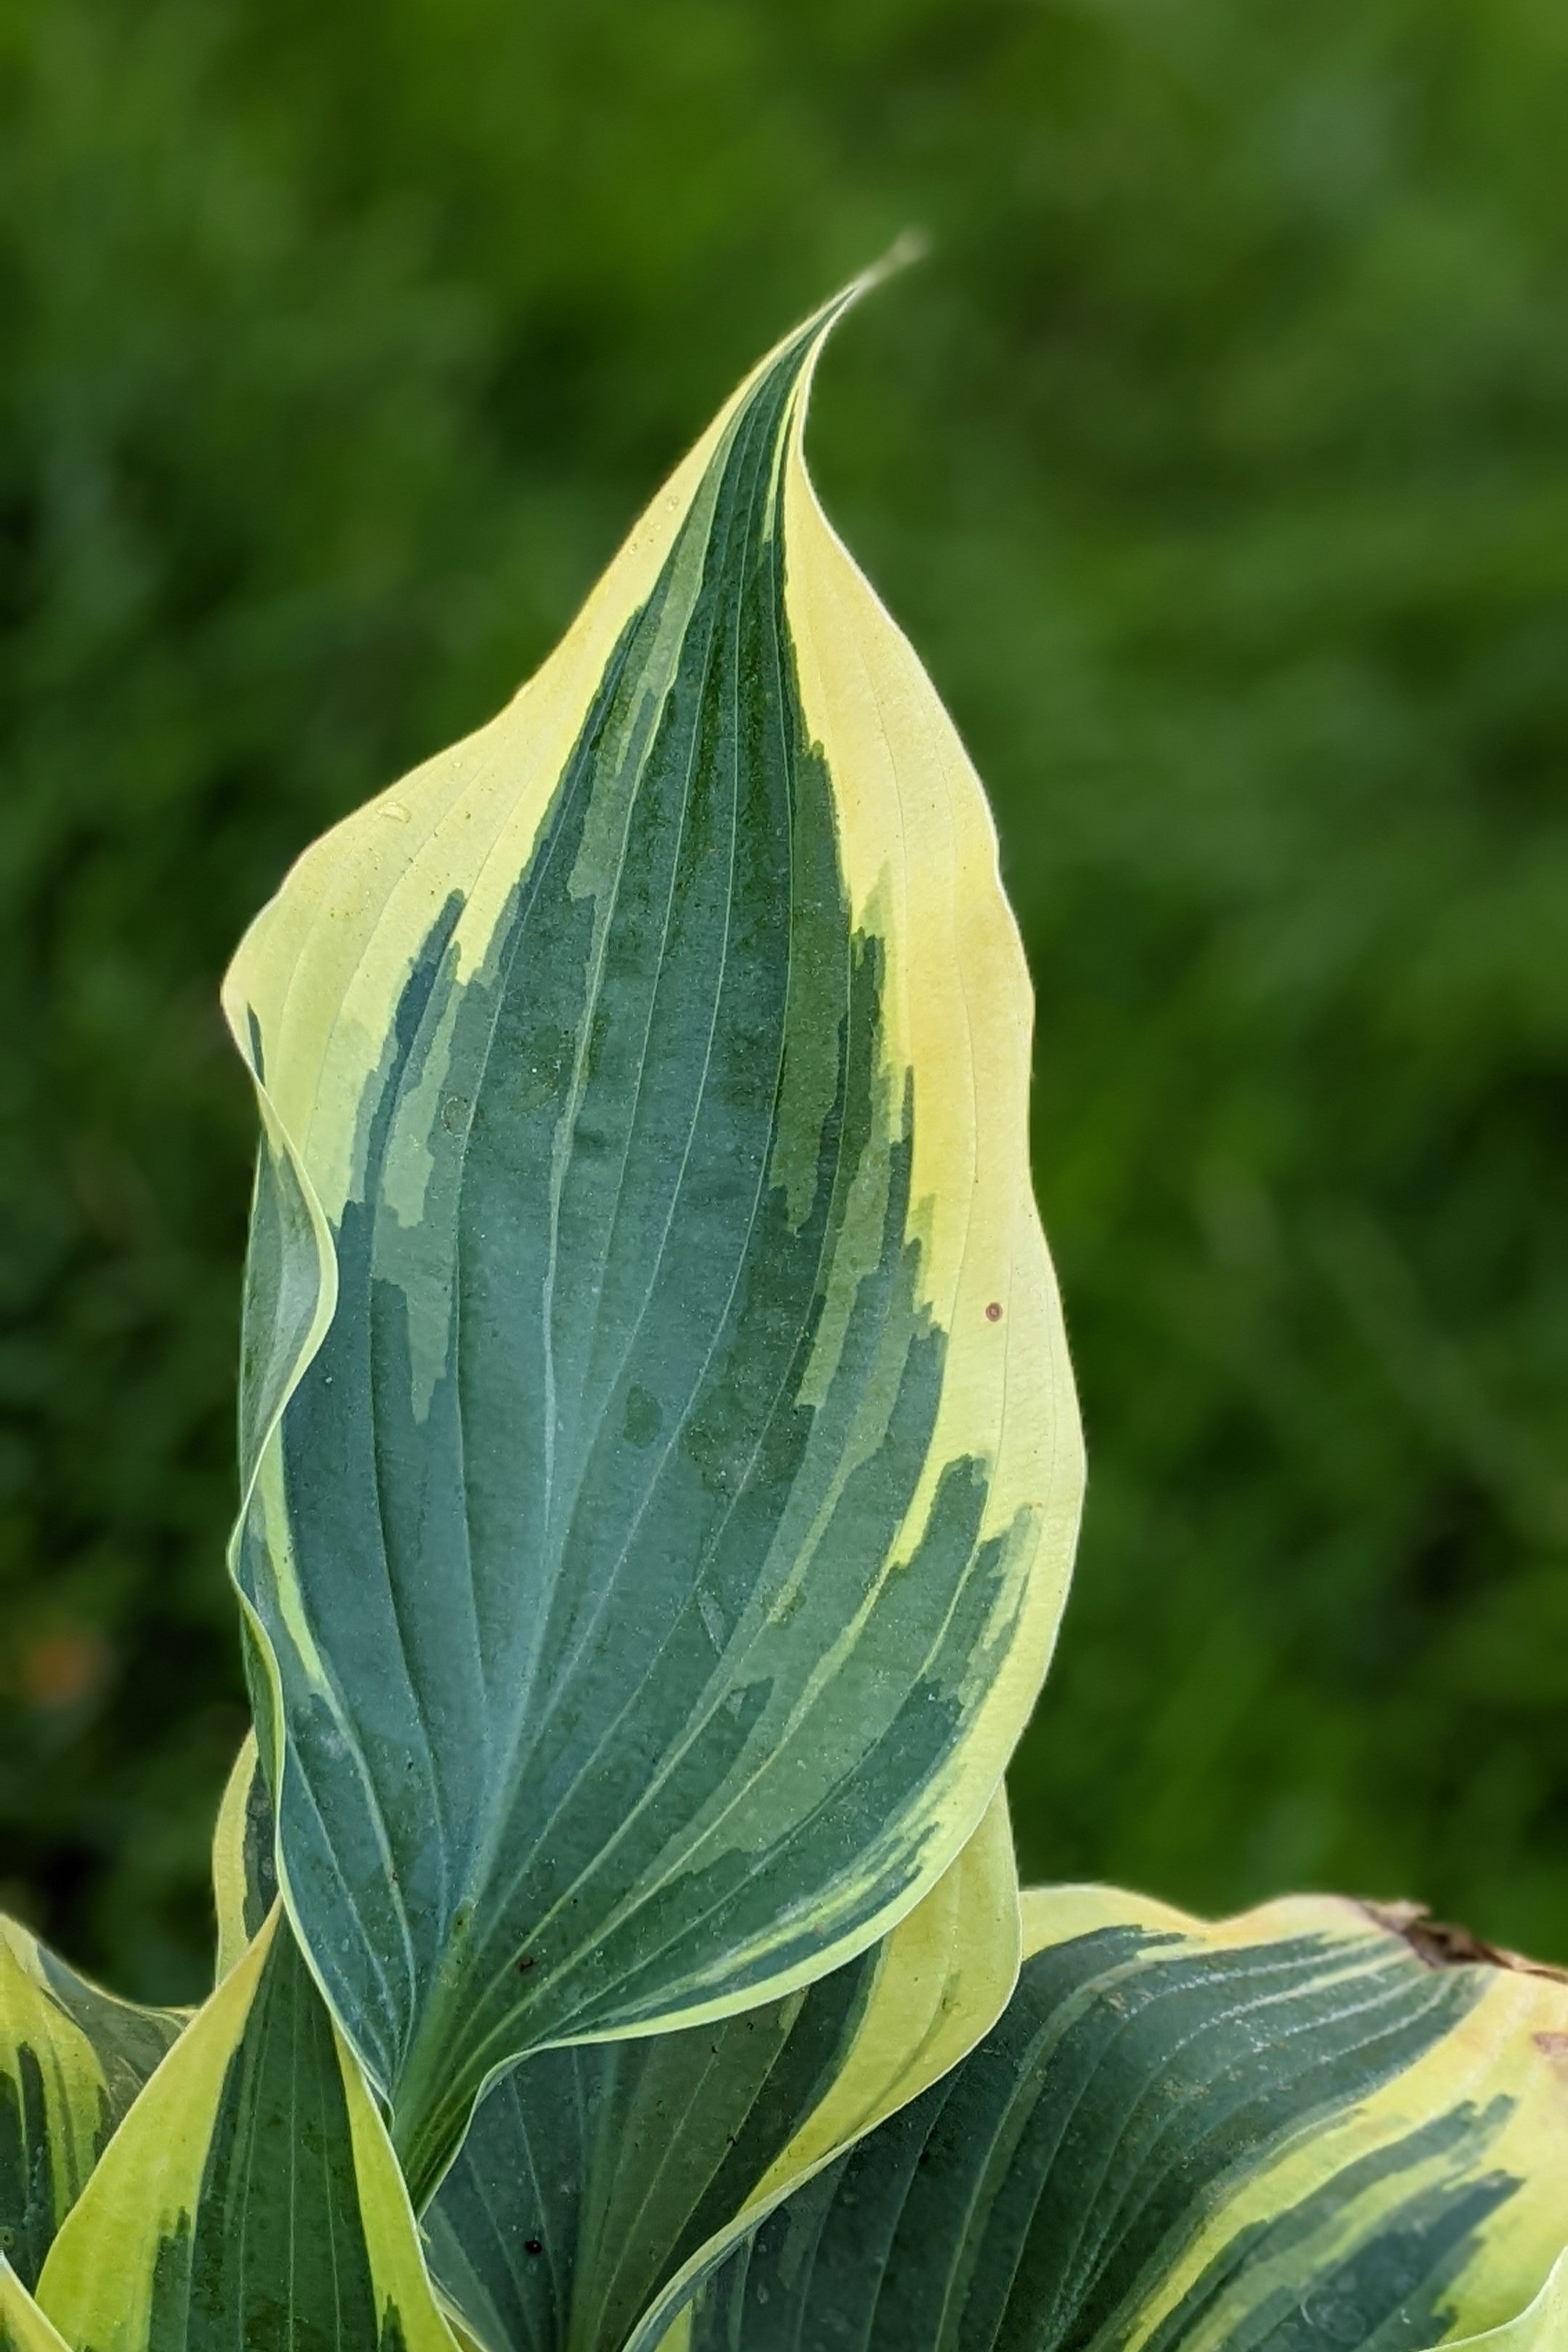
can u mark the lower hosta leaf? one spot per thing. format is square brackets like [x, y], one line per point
[1287, 2133]
[23, 2328]
[72, 2058]
[662, 1461]
[595, 2181]
[250, 2201]
[1543, 2327]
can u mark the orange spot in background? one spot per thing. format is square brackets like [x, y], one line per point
[993, 1312]
[63, 1669]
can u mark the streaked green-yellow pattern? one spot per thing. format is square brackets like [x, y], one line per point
[596, 2183]
[662, 1461]
[250, 2198]
[1285, 2133]
[245, 1884]
[72, 2058]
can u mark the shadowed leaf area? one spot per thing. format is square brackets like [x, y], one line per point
[589, 2176]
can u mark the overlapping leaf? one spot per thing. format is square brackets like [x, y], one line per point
[250, 2200]
[72, 2059]
[1542, 2327]
[1287, 2133]
[23, 2328]
[595, 2181]
[663, 1464]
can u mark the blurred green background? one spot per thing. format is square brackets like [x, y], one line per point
[1218, 462]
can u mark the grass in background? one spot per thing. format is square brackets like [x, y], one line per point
[1217, 462]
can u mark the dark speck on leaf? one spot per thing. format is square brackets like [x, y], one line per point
[525, 1961]
[533, 2245]
[993, 1312]
[644, 1418]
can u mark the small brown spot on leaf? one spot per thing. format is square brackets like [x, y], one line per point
[993, 1312]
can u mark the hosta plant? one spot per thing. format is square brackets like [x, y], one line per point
[659, 1478]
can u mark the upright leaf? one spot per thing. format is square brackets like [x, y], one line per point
[250, 2201]
[663, 1461]
[72, 2058]
[1287, 2133]
[595, 2183]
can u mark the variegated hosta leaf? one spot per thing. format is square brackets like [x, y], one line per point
[1286, 2133]
[250, 2198]
[664, 1461]
[245, 1883]
[23, 2328]
[595, 2182]
[1543, 2327]
[72, 2058]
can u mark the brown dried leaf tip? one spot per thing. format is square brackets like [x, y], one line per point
[1443, 1946]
